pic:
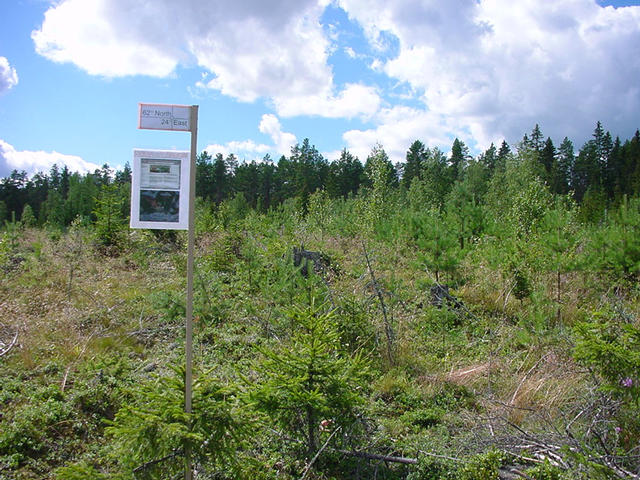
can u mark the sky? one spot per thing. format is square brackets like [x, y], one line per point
[343, 73]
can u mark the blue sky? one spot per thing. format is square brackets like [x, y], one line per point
[344, 73]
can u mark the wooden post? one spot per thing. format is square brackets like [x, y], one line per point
[193, 123]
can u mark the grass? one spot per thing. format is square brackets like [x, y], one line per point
[92, 325]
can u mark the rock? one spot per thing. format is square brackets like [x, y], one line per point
[321, 262]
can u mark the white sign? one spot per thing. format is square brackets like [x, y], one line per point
[164, 117]
[160, 189]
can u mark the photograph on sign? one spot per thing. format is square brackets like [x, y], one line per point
[159, 189]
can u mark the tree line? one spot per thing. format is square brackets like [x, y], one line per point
[602, 172]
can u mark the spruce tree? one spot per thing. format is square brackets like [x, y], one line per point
[110, 224]
[547, 156]
[536, 142]
[311, 379]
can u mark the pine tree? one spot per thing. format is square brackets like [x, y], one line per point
[27, 218]
[436, 243]
[345, 175]
[614, 169]
[489, 158]
[559, 242]
[54, 210]
[562, 167]
[464, 215]
[503, 154]
[616, 247]
[124, 176]
[416, 156]
[459, 157]
[4, 212]
[586, 172]
[266, 174]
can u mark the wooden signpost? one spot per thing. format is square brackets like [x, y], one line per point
[160, 197]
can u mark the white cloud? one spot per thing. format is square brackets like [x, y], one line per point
[250, 150]
[283, 141]
[351, 53]
[39, 161]
[396, 128]
[494, 68]
[253, 49]
[354, 100]
[106, 39]
[482, 69]
[244, 150]
[8, 75]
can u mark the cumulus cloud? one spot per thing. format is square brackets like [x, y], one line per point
[107, 39]
[480, 69]
[8, 75]
[253, 49]
[494, 68]
[243, 149]
[354, 100]
[249, 150]
[397, 127]
[39, 161]
[283, 141]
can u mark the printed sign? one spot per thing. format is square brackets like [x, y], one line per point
[164, 117]
[160, 189]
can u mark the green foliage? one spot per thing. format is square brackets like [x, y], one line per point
[355, 327]
[493, 231]
[6, 250]
[233, 210]
[28, 218]
[320, 211]
[480, 467]
[483, 467]
[110, 223]
[9, 238]
[529, 206]
[612, 348]
[151, 432]
[463, 214]
[27, 431]
[615, 247]
[545, 471]
[311, 380]
[431, 468]
[4, 212]
[83, 471]
[437, 245]
[382, 177]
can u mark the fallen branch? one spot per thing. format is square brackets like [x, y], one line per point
[444, 457]
[10, 346]
[388, 329]
[151, 463]
[313, 460]
[526, 375]
[384, 458]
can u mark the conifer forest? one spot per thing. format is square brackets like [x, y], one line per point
[447, 317]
